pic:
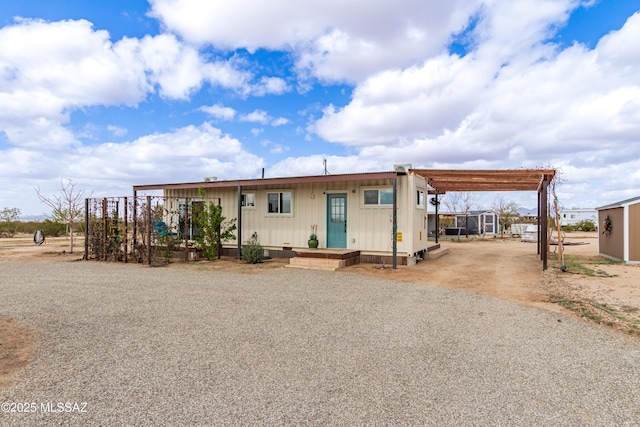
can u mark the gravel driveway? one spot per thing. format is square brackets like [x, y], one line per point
[133, 345]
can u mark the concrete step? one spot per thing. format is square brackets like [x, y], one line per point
[316, 263]
[438, 253]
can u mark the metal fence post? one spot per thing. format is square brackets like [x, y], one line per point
[149, 225]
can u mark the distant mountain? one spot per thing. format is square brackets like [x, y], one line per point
[36, 218]
[527, 212]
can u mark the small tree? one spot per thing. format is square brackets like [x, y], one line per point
[9, 221]
[461, 204]
[67, 206]
[506, 211]
[214, 228]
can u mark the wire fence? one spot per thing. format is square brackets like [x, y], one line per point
[146, 229]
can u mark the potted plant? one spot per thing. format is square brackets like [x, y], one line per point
[313, 238]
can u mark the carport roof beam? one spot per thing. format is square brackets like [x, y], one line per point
[444, 181]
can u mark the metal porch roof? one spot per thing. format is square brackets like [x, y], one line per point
[270, 181]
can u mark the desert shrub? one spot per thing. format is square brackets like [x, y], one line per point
[30, 227]
[49, 227]
[584, 225]
[53, 228]
[252, 251]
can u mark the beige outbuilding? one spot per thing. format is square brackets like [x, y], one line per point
[619, 230]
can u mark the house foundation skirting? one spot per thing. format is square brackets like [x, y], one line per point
[346, 255]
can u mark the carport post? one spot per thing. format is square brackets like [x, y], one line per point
[544, 215]
[437, 219]
[538, 219]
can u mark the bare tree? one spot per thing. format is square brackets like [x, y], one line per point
[452, 202]
[461, 203]
[506, 211]
[67, 206]
[554, 212]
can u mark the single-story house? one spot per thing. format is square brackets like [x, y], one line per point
[359, 212]
[381, 215]
[576, 215]
[619, 230]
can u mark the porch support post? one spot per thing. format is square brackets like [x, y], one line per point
[239, 235]
[126, 229]
[395, 222]
[437, 219]
[104, 229]
[86, 229]
[134, 249]
[545, 227]
[149, 226]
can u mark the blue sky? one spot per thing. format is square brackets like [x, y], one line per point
[113, 94]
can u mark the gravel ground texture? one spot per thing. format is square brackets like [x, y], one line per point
[134, 345]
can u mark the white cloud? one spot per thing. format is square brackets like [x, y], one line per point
[257, 116]
[219, 111]
[314, 165]
[574, 101]
[274, 148]
[270, 86]
[620, 48]
[279, 122]
[333, 40]
[117, 130]
[40, 132]
[514, 100]
[417, 102]
[176, 69]
[278, 149]
[186, 154]
[48, 69]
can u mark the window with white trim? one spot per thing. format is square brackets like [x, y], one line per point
[279, 203]
[375, 197]
[420, 198]
[248, 200]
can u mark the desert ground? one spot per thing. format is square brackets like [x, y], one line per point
[506, 268]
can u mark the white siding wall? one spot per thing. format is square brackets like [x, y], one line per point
[419, 218]
[371, 226]
[369, 229]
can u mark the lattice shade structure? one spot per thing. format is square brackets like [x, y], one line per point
[443, 181]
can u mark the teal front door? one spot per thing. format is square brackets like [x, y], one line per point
[336, 220]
